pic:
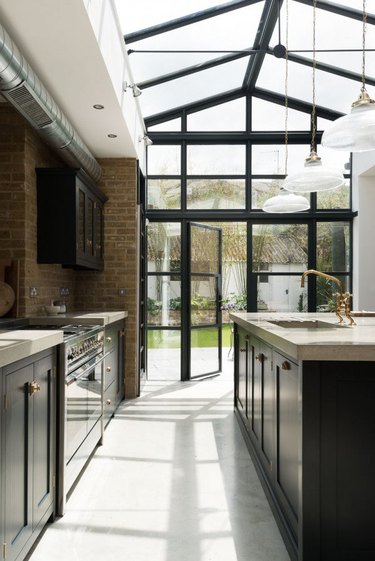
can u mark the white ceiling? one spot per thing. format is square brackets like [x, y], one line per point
[58, 41]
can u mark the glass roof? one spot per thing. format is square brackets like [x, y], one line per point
[241, 28]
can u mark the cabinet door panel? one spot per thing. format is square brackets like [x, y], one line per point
[18, 455]
[43, 439]
[242, 372]
[257, 389]
[268, 408]
[287, 404]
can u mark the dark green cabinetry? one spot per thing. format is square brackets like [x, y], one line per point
[28, 441]
[310, 428]
[114, 368]
[70, 219]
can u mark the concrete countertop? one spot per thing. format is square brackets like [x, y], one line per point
[329, 342]
[83, 318]
[18, 344]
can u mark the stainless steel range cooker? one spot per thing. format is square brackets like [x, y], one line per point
[80, 401]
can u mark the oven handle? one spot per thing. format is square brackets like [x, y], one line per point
[73, 378]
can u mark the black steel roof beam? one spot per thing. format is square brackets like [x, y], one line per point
[187, 20]
[267, 95]
[339, 9]
[194, 106]
[266, 27]
[225, 137]
[190, 70]
[297, 104]
[328, 68]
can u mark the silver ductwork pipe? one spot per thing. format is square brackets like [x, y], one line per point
[22, 88]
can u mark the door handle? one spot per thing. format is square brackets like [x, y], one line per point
[34, 387]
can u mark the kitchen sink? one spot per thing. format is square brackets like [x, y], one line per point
[303, 324]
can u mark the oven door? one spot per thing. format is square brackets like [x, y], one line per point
[83, 403]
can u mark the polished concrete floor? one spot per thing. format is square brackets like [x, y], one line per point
[172, 482]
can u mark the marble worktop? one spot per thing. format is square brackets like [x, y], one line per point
[83, 318]
[327, 342]
[18, 344]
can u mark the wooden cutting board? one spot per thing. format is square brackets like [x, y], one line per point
[7, 298]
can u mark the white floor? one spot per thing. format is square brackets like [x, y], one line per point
[173, 482]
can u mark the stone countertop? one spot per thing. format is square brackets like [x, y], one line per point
[83, 318]
[18, 344]
[326, 342]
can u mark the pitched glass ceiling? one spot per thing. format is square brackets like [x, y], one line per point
[253, 24]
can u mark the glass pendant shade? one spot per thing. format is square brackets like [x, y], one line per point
[354, 132]
[286, 202]
[314, 177]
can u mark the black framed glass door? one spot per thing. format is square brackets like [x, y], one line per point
[204, 300]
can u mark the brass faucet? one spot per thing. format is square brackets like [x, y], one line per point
[342, 298]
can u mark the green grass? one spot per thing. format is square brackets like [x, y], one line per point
[202, 338]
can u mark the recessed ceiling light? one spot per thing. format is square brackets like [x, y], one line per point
[112, 135]
[98, 106]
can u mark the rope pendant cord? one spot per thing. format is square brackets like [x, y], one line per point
[313, 112]
[286, 84]
[364, 46]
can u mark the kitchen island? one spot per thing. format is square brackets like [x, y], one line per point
[304, 399]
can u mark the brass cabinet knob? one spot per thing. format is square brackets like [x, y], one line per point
[247, 337]
[108, 368]
[242, 350]
[260, 357]
[34, 387]
[285, 365]
[108, 401]
[108, 339]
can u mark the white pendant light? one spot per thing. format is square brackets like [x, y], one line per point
[286, 202]
[314, 176]
[355, 132]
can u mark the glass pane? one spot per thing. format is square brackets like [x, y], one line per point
[280, 247]
[268, 159]
[194, 87]
[268, 116]
[90, 226]
[163, 355]
[81, 221]
[168, 126]
[335, 199]
[164, 159]
[216, 159]
[163, 246]
[215, 193]
[163, 300]
[281, 294]
[163, 193]
[325, 293]
[204, 351]
[230, 116]
[204, 250]
[272, 77]
[333, 246]
[203, 300]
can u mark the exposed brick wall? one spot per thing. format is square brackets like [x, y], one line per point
[99, 291]
[21, 151]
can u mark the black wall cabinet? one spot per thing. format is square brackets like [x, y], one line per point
[70, 219]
